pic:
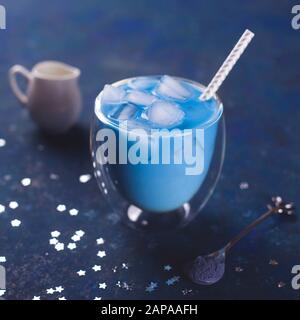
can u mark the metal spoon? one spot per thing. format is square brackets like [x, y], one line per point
[209, 269]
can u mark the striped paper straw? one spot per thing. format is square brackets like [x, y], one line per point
[227, 65]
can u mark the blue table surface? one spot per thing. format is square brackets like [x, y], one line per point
[112, 40]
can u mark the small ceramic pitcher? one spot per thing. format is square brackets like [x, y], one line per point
[53, 96]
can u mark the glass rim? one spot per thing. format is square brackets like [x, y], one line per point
[104, 119]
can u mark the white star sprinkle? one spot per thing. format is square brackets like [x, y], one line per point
[15, 223]
[101, 254]
[97, 298]
[151, 287]
[61, 208]
[100, 241]
[36, 298]
[2, 292]
[73, 212]
[167, 267]
[85, 178]
[125, 265]
[96, 268]
[81, 273]
[59, 246]
[55, 234]
[75, 238]
[53, 241]
[13, 205]
[2, 208]
[2, 259]
[2, 143]
[54, 176]
[171, 281]
[26, 182]
[50, 291]
[102, 285]
[80, 233]
[59, 289]
[62, 298]
[244, 185]
[72, 246]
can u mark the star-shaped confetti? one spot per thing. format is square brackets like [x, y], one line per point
[151, 287]
[62, 298]
[72, 246]
[36, 298]
[73, 212]
[172, 281]
[125, 265]
[59, 289]
[61, 208]
[167, 267]
[2, 208]
[54, 176]
[55, 234]
[13, 205]
[59, 246]
[2, 143]
[97, 298]
[53, 241]
[102, 285]
[2, 292]
[26, 182]
[75, 238]
[81, 273]
[80, 233]
[101, 254]
[15, 223]
[2, 259]
[50, 291]
[100, 241]
[96, 268]
[85, 178]
[244, 185]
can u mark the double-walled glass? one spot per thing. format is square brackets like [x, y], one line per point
[158, 196]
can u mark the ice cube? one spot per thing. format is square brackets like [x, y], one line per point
[165, 114]
[140, 98]
[125, 112]
[143, 83]
[111, 94]
[172, 88]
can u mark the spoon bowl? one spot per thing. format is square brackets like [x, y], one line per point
[207, 270]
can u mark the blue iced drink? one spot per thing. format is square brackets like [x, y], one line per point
[159, 104]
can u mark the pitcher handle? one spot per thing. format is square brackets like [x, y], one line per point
[18, 69]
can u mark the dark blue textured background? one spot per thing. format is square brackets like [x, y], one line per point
[115, 39]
